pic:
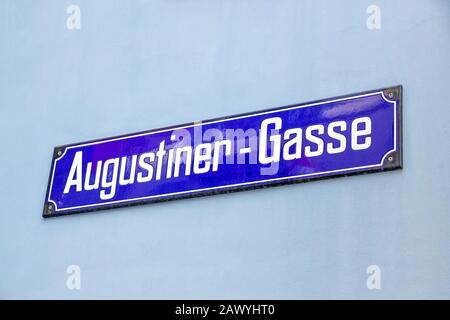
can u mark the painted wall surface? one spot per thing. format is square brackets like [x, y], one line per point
[137, 65]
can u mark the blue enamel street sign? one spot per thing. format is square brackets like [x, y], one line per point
[339, 136]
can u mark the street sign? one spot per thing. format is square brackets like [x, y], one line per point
[346, 135]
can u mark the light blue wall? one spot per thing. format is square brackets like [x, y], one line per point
[138, 65]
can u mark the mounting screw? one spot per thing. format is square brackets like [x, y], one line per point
[390, 158]
[391, 95]
[59, 152]
[50, 208]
